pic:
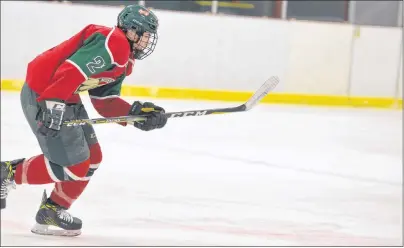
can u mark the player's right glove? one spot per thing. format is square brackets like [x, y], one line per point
[155, 115]
[50, 118]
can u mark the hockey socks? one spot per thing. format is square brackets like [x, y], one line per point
[69, 181]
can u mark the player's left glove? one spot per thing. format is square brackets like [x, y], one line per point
[155, 115]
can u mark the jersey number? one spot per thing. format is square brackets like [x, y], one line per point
[97, 63]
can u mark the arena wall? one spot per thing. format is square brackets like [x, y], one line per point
[215, 57]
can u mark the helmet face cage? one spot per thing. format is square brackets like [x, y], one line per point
[148, 28]
[149, 48]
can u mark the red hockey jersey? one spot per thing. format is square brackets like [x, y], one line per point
[97, 60]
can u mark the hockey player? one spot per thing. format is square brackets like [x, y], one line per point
[97, 60]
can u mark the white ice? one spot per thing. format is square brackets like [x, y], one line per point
[278, 175]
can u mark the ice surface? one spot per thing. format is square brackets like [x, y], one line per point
[278, 175]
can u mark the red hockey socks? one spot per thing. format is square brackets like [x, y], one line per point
[65, 193]
[39, 170]
[32, 171]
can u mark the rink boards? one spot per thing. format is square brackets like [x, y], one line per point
[330, 64]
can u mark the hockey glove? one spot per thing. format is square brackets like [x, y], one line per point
[155, 115]
[50, 117]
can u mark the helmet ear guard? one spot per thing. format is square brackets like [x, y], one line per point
[141, 21]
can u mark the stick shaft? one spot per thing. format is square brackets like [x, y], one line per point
[268, 86]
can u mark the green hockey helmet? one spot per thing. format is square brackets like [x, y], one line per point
[144, 23]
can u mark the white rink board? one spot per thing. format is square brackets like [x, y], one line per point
[227, 53]
[319, 55]
[375, 62]
[400, 79]
[44, 25]
[220, 52]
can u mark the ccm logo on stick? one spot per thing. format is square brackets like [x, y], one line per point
[191, 113]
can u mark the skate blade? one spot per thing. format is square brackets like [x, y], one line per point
[54, 231]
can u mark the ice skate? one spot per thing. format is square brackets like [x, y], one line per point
[53, 219]
[7, 169]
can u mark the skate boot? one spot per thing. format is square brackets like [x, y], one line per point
[53, 219]
[7, 170]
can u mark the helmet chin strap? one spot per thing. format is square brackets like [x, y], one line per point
[132, 49]
[131, 43]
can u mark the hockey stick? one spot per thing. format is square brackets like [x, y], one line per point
[268, 86]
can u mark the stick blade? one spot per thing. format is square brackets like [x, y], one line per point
[268, 86]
